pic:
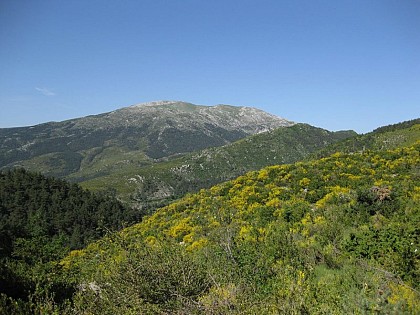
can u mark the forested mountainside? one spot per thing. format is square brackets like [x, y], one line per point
[135, 135]
[158, 184]
[41, 219]
[338, 235]
[384, 138]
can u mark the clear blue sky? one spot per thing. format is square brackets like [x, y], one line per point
[334, 64]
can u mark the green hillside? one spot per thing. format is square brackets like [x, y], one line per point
[334, 235]
[383, 138]
[158, 184]
[338, 235]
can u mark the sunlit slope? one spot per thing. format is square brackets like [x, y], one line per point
[337, 235]
[384, 138]
[166, 180]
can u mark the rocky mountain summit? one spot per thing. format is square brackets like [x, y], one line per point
[246, 119]
[187, 117]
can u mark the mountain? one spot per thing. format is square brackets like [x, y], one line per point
[150, 154]
[159, 183]
[338, 235]
[137, 134]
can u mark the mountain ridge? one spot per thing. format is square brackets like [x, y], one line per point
[131, 115]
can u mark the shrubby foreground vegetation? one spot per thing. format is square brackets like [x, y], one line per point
[337, 235]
